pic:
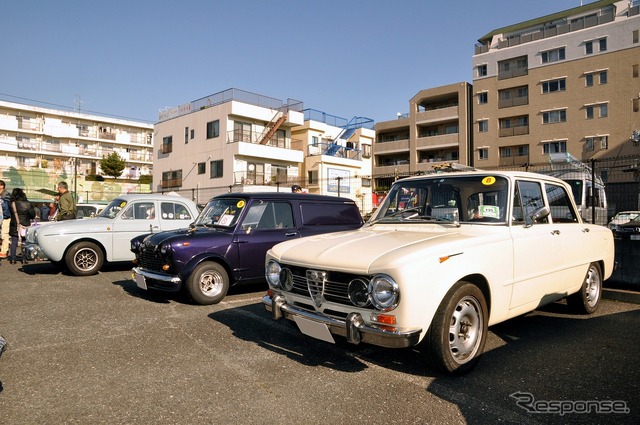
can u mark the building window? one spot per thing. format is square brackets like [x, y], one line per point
[482, 70]
[603, 44]
[167, 144]
[603, 77]
[604, 142]
[483, 153]
[483, 126]
[636, 105]
[202, 166]
[216, 169]
[186, 135]
[213, 129]
[588, 47]
[483, 97]
[589, 144]
[314, 140]
[636, 36]
[366, 151]
[589, 110]
[312, 177]
[588, 80]
[554, 85]
[193, 133]
[171, 179]
[552, 117]
[366, 182]
[514, 67]
[513, 151]
[604, 110]
[554, 55]
[554, 147]
[634, 71]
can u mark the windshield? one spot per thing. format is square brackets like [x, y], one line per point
[113, 208]
[476, 199]
[221, 212]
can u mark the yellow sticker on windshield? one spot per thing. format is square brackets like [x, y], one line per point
[122, 204]
[240, 204]
[488, 181]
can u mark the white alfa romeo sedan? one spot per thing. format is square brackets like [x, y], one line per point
[444, 257]
[83, 246]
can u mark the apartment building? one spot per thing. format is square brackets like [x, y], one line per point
[566, 83]
[337, 156]
[233, 140]
[41, 146]
[437, 129]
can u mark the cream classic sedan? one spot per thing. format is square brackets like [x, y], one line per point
[83, 246]
[444, 257]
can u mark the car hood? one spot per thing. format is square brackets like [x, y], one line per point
[180, 234]
[95, 225]
[363, 249]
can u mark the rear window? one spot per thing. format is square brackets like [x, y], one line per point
[329, 214]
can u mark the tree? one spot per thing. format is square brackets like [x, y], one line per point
[113, 165]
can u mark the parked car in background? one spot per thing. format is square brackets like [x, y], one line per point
[227, 244]
[88, 210]
[444, 257]
[629, 230]
[622, 217]
[84, 245]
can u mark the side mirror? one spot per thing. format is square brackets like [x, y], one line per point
[538, 214]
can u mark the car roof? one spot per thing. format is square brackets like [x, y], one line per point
[286, 196]
[508, 174]
[151, 196]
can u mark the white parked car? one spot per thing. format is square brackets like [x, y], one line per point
[443, 258]
[622, 217]
[84, 245]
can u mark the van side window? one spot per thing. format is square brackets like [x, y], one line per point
[174, 211]
[269, 215]
[329, 214]
[561, 209]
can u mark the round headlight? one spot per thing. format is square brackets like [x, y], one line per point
[272, 273]
[135, 244]
[359, 292]
[165, 248]
[384, 292]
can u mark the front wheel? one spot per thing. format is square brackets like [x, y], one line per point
[458, 331]
[587, 299]
[208, 284]
[84, 259]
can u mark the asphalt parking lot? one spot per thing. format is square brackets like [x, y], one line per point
[98, 350]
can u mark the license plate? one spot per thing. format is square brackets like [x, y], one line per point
[140, 281]
[635, 237]
[314, 329]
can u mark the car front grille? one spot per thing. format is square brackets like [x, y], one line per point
[150, 260]
[336, 286]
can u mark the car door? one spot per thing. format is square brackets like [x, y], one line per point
[537, 250]
[137, 217]
[265, 224]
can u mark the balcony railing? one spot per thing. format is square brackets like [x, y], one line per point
[514, 160]
[514, 101]
[514, 131]
[261, 179]
[235, 136]
[332, 150]
[166, 184]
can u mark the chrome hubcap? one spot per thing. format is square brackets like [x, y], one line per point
[592, 287]
[465, 329]
[211, 284]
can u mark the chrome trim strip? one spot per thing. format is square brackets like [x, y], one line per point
[157, 276]
[353, 328]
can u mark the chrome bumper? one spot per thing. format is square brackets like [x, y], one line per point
[163, 281]
[352, 328]
[33, 252]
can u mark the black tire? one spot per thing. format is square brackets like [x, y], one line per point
[458, 331]
[84, 259]
[208, 284]
[587, 299]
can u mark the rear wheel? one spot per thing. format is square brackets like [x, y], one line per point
[587, 299]
[84, 259]
[208, 284]
[458, 331]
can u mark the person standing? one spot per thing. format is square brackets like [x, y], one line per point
[22, 212]
[66, 203]
[6, 219]
[44, 211]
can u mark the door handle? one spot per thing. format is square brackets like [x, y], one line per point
[555, 232]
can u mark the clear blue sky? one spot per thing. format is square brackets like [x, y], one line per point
[131, 58]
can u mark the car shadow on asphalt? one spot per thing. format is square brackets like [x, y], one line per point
[550, 355]
[254, 324]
